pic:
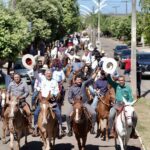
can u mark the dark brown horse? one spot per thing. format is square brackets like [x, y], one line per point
[81, 123]
[103, 109]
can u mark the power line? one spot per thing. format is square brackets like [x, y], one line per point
[126, 3]
[116, 9]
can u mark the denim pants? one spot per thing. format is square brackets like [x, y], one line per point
[112, 116]
[35, 94]
[56, 111]
[95, 102]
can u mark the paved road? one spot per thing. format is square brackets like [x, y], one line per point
[70, 143]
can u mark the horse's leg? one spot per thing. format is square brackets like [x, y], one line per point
[11, 141]
[79, 142]
[26, 134]
[106, 129]
[4, 131]
[19, 134]
[47, 144]
[98, 129]
[121, 142]
[84, 142]
[116, 143]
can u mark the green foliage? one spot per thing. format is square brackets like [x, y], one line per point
[14, 34]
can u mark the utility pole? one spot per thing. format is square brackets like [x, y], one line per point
[126, 2]
[116, 9]
[133, 51]
[99, 42]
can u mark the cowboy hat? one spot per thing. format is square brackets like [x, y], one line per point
[45, 67]
[90, 47]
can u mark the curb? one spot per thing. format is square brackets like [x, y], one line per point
[140, 139]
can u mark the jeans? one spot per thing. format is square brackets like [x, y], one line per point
[95, 102]
[35, 94]
[92, 91]
[56, 111]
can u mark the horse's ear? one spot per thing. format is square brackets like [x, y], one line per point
[81, 98]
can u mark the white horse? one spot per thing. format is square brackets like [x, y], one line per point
[124, 124]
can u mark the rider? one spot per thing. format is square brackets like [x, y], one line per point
[121, 90]
[20, 89]
[78, 89]
[101, 87]
[48, 86]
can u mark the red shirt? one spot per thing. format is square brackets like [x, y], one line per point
[127, 64]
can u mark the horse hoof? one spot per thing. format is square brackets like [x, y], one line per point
[4, 141]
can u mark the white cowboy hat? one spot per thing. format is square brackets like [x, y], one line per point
[90, 47]
[28, 61]
[109, 65]
[45, 67]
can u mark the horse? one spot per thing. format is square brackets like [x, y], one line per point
[103, 109]
[2, 101]
[47, 124]
[124, 124]
[81, 123]
[17, 123]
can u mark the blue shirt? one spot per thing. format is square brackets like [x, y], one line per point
[76, 66]
[102, 85]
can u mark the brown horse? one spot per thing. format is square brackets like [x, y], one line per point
[48, 125]
[17, 123]
[81, 123]
[103, 109]
[2, 101]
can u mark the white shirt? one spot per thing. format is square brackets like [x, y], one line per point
[39, 79]
[58, 75]
[49, 86]
[87, 59]
[94, 64]
[71, 57]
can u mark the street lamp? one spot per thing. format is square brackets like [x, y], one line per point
[100, 5]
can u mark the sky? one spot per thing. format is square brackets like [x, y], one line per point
[120, 4]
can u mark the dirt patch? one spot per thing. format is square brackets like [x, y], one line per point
[143, 127]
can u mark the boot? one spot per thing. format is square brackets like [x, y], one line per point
[110, 133]
[35, 132]
[61, 132]
[133, 134]
[30, 129]
[92, 131]
[69, 127]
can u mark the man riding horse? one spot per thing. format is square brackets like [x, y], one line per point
[49, 86]
[79, 89]
[122, 91]
[101, 87]
[19, 89]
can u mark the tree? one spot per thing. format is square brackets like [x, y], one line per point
[14, 34]
[71, 19]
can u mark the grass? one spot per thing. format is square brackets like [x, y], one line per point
[143, 111]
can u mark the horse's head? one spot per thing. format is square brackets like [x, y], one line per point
[129, 110]
[14, 107]
[44, 107]
[78, 110]
[111, 94]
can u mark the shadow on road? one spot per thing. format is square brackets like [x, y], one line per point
[145, 93]
[92, 147]
[66, 146]
[33, 145]
[129, 148]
